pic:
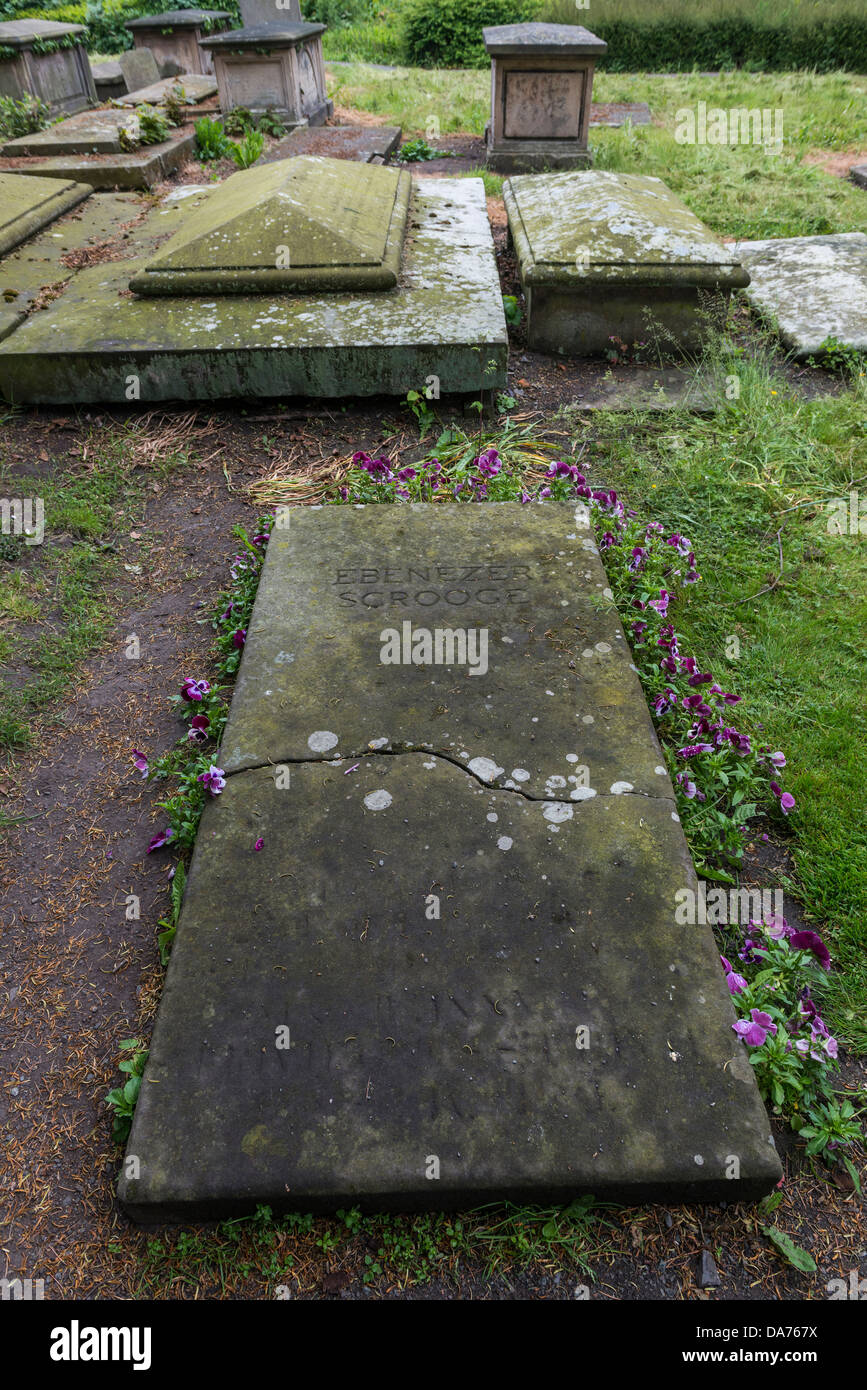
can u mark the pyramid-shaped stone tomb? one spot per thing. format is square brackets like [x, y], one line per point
[308, 225]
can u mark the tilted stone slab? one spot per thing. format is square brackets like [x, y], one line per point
[142, 168]
[599, 252]
[546, 610]
[445, 318]
[89, 132]
[309, 224]
[28, 204]
[812, 288]
[361, 142]
[190, 88]
[425, 991]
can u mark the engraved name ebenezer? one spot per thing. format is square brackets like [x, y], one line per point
[427, 585]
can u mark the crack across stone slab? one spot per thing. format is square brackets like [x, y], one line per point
[446, 758]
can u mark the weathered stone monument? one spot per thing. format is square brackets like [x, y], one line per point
[175, 38]
[46, 60]
[428, 954]
[137, 67]
[599, 254]
[274, 62]
[811, 288]
[100, 148]
[28, 204]
[541, 88]
[308, 276]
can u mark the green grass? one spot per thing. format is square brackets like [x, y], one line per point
[771, 462]
[56, 603]
[381, 1251]
[741, 190]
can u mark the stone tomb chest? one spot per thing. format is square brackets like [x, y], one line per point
[541, 84]
[174, 38]
[60, 77]
[605, 255]
[306, 277]
[305, 225]
[275, 67]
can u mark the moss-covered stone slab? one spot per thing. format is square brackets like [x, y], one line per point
[27, 205]
[38, 263]
[89, 148]
[397, 985]
[362, 142]
[89, 132]
[190, 88]
[811, 288]
[444, 319]
[602, 254]
[308, 224]
[337, 579]
[141, 168]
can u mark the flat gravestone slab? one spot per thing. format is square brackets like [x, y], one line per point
[144, 167]
[38, 262]
[812, 288]
[444, 318]
[551, 1032]
[547, 610]
[304, 224]
[28, 204]
[359, 142]
[617, 113]
[190, 88]
[88, 132]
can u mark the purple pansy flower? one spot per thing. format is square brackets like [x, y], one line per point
[214, 780]
[755, 1029]
[735, 982]
[194, 690]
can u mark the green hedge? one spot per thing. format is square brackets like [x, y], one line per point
[105, 19]
[448, 33]
[641, 45]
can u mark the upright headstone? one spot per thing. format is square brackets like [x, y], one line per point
[47, 61]
[139, 67]
[428, 954]
[256, 13]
